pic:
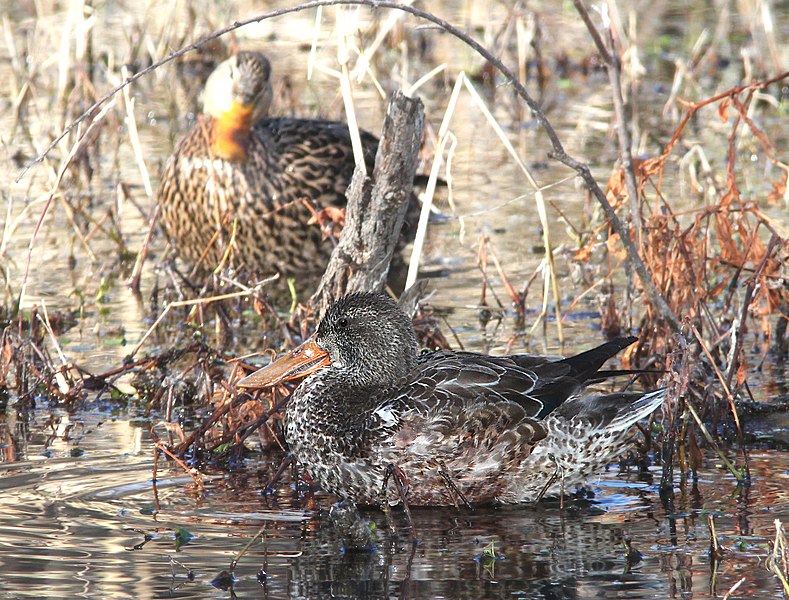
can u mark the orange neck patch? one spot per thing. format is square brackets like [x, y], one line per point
[231, 133]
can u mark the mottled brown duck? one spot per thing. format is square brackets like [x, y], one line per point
[239, 180]
[448, 426]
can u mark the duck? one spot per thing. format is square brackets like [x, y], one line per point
[448, 427]
[241, 187]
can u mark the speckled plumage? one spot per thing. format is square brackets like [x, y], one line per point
[499, 427]
[236, 167]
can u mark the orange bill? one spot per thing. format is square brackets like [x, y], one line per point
[298, 363]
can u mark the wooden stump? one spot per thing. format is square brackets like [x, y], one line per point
[376, 208]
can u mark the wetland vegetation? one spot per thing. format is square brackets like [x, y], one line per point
[636, 184]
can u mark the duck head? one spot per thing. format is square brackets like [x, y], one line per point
[237, 94]
[365, 341]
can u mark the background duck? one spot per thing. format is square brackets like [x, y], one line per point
[239, 175]
[451, 426]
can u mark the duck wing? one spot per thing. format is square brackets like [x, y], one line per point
[453, 395]
[585, 365]
[557, 381]
[473, 416]
[539, 384]
[314, 154]
[445, 377]
[465, 415]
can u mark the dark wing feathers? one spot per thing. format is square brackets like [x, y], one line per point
[454, 404]
[586, 364]
[537, 383]
[449, 387]
[467, 376]
[470, 439]
[563, 379]
[319, 152]
[477, 416]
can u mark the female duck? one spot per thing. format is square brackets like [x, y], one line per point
[239, 183]
[449, 426]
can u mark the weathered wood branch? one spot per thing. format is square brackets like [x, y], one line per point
[376, 207]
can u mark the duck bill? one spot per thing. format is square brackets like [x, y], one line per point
[298, 363]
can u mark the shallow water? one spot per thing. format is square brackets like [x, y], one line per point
[78, 501]
[95, 526]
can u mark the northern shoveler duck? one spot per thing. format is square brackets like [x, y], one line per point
[449, 425]
[241, 176]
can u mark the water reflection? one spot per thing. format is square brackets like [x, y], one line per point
[95, 525]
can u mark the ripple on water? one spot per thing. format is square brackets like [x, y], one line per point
[79, 525]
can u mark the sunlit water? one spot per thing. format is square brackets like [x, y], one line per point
[81, 515]
[96, 525]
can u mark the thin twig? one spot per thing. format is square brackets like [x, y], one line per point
[424, 215]
[55, 186]
[777, 558]
[613, 65]
[344, 29]
[729, 396]
[193, 473]
[746, 305]
[198, 301]
[131, 125]
[732, 469]
[733, 589]
[134, 279]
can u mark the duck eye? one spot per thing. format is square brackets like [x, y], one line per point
[343, 323]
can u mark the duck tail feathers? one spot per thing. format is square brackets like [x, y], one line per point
[584, 365]
[640, 409]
